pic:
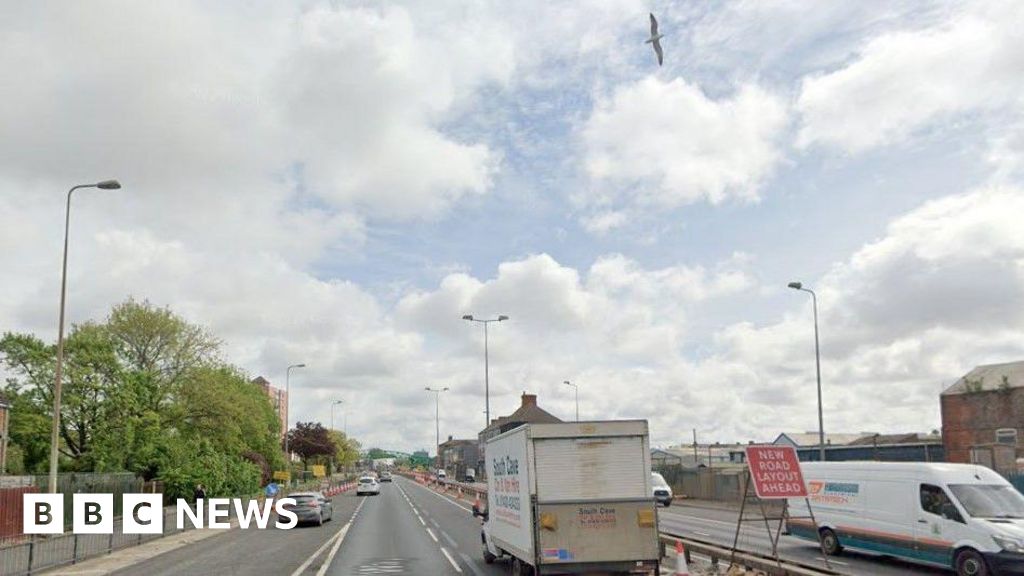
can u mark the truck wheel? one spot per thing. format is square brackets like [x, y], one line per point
[520, 568]
[830, 542]
[970, 563]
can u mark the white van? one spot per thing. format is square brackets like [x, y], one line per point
[958, 516]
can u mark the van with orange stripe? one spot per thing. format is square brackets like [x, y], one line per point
[958, 516]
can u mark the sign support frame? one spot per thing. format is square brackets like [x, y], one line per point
[773, 536]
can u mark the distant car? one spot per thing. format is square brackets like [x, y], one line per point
[367, 485]
[662, 491]
[311, 507]
[385, 476]
[442, 475]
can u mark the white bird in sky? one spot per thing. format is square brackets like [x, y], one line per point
[654, 39]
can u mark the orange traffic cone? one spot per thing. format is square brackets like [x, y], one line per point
[682, 568]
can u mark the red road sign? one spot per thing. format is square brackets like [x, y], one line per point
[775, 471]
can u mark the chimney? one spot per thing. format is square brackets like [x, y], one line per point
[529, 399]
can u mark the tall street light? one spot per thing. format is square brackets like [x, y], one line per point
[437, 419]
[55, 432]
[487, 371]
[577, 389]
[287, 408]
[817, 364]
[333, 404]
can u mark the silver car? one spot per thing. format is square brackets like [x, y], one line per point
[311, 507]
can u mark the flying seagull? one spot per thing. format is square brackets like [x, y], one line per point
[654, 39]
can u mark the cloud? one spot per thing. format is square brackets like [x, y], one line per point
[658, 144]
[940, 292]
[902, 82]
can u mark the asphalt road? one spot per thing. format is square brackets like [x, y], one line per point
[718, 526]
[410, 529]
[406, 530]
[270, 552]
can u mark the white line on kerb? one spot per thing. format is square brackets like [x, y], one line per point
[451, 560]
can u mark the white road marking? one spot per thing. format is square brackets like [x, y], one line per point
[334, 550]
[449, 539]
[471, 563]
[432, 535]
[340, 534]
[448, 500]
[451, 560]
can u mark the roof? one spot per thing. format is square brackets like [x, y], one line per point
[989, 377]
[807, 439]
[888, 439]
[528, 413]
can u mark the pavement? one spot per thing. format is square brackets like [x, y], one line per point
[411, 529]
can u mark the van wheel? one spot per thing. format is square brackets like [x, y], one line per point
[830, 542]
[970, 563]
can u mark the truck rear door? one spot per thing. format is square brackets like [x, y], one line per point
[594, 502]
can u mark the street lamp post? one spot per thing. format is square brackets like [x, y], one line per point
[287, 408]
[437, 419]
[5, 410]
[577, 390]
[333, 404]
[817, 365]
[55, 431]
[487, 371]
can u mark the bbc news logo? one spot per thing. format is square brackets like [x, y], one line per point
[144, 513]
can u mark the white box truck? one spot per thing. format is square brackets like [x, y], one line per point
[963, 517]
[572, 498]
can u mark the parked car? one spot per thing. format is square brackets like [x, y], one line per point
[385, 476]
[311, 507]
[959, 516]
[442, 475]
[367, 485]
[662, 491]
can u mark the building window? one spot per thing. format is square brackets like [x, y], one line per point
[1006, 436]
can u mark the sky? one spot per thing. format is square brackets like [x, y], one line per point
[338, 183]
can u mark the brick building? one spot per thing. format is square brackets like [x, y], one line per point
[983, 416]
[278, 399]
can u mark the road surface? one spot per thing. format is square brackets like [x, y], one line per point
[411, 530]
[718, 526]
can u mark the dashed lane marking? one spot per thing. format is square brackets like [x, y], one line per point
[451, 560]
[338, 536]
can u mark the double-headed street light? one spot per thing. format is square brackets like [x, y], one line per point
[817, 364]
[437, 419]
[487, 377]
[287, 406]
[577, 389]
[55, 431]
